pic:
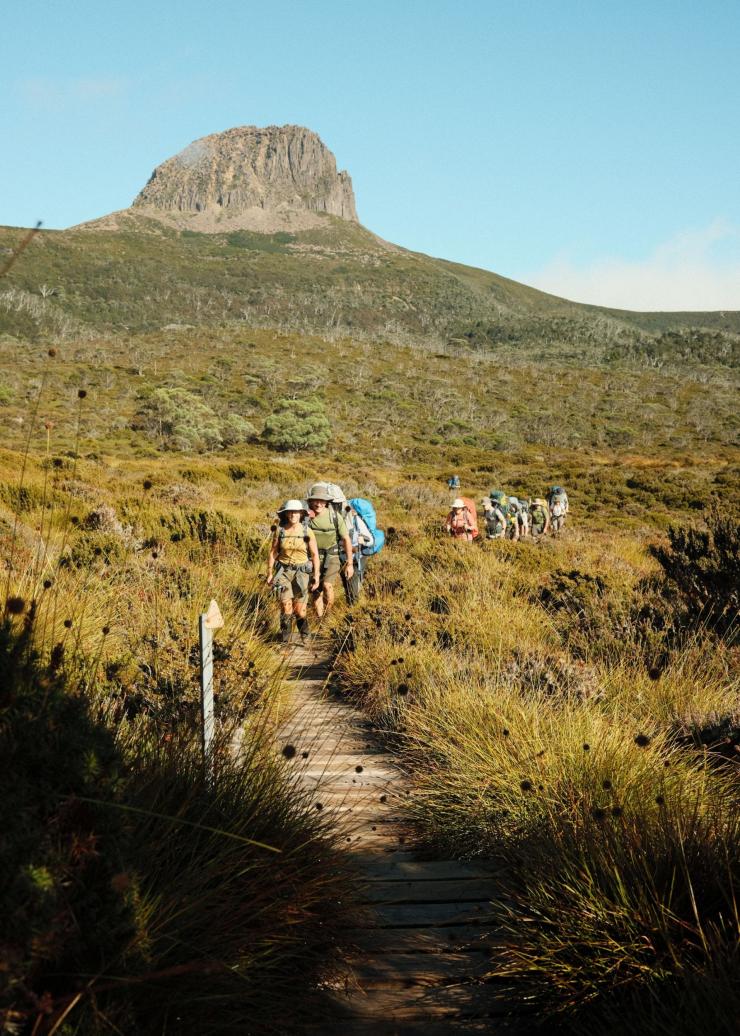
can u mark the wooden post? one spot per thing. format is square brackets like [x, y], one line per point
[209, 621]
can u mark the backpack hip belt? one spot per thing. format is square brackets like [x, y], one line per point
[307, 567]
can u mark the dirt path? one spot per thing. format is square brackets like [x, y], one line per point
[421, 952]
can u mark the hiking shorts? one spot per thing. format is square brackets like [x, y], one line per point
[330, 567]
[292, 584]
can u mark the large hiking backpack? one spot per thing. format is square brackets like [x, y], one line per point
[495, 521]
[558, 502]
[366, 511]
[470, 507]
[538, 515]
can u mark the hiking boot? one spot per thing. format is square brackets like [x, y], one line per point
[286, 628]
[303, 630]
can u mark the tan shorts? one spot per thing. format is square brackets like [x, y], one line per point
[330, 566]
[292, 585]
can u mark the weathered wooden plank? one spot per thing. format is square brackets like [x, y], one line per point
[429, 939]
[423, 1026]
[407, 915]
[408, 865]
[402, 970]
[452, 1001]
[460, 890]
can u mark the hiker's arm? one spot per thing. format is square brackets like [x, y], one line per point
[314, 552]
[349, 567]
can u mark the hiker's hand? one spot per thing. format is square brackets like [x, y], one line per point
[269, 579]
[314, 586]
[349, 570]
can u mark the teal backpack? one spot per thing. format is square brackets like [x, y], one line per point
[366, 511]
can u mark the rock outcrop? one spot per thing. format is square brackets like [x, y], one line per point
[259, 179]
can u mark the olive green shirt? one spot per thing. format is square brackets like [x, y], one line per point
[329, 529]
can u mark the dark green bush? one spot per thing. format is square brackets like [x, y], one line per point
[702, 570]
[180, 420]
[297, 424]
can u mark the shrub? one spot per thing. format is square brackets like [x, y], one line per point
[298, 424]
[702, 568]
[180, 420]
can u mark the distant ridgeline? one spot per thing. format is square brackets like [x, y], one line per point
[257, 227]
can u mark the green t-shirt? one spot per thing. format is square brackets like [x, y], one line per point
[329, 528]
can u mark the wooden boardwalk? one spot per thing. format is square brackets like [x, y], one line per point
[423, 948]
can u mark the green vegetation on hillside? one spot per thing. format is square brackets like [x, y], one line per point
[335, 280]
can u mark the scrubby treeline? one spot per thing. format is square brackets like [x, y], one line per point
[204, 389]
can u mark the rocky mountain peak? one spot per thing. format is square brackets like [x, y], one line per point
[278, 177]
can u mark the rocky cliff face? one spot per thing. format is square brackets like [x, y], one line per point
[259, 179]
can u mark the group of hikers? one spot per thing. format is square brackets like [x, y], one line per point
[316, 544]
[327, 539]
[506, 516]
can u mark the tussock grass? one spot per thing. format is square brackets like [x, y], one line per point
[143, 896]
[547, 738]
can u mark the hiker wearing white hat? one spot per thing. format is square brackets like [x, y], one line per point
[293, 567]
[461, 523]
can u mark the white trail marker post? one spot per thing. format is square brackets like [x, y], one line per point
[209, 621]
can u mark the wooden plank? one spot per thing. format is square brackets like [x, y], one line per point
[407, 915]
[429, 939]
[402, 970]
[500, 1026]
[452, 1001]
[460, 890]
[408, 865]
[377, 784]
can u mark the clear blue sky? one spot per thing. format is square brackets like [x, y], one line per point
[588, 145]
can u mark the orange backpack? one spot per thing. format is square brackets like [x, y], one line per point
[470, 504]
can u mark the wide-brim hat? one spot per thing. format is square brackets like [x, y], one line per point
[457, 502]
[320, 491]
[293, 505]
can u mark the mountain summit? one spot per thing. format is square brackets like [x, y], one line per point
[276, 178]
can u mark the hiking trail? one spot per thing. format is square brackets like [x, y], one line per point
[422, 947]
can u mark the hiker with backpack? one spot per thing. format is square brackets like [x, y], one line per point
[494, 519]
[557, 501]
[462, 521]
[293, 567]
[512, 519]
[332, 538]
[539, 517]
[367, 539]
[523, 518]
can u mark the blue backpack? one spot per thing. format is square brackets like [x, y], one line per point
[366, 511]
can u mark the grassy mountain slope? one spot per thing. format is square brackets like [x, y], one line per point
[339, 279]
